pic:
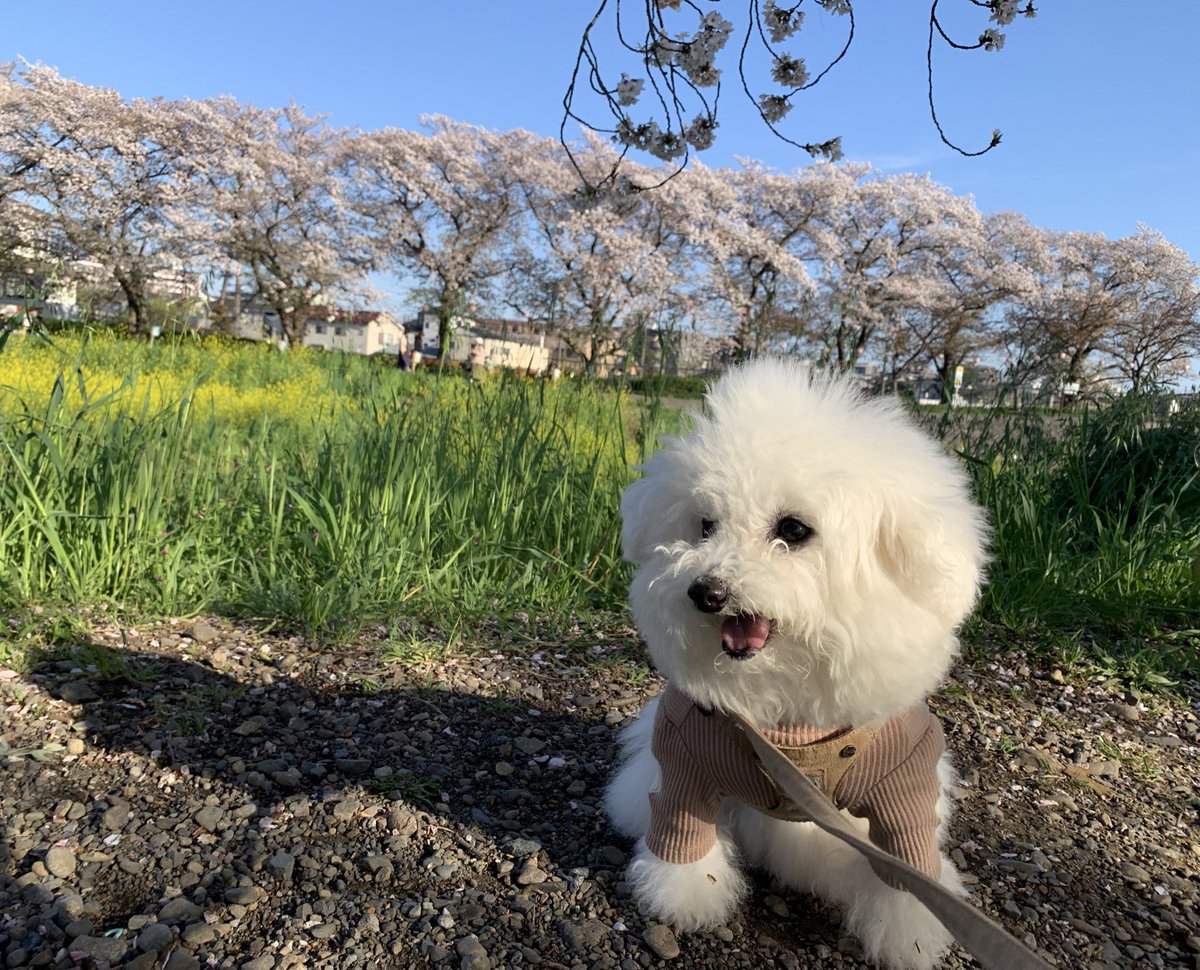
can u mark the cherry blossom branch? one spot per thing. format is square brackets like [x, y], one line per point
[678, 68]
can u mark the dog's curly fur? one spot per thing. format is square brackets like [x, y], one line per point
[862, 611]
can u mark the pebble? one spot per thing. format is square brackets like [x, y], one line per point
[60, 861]
[155, 937]
[530, 875]
[116, 817]
[472, 955]
[178, 909]
[661, 941]
[107, 948]
[77, 692]
[210, 817]
[397, 840]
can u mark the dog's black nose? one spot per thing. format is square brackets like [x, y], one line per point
[709, 594]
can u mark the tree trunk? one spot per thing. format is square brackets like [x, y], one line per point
[136, 302]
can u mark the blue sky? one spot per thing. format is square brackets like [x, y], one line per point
[1099, 107]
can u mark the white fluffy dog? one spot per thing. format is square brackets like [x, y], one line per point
[803, 558]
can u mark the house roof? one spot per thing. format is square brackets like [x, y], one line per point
[353, 318]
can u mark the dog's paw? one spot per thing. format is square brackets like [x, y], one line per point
[689, 896]
[897, 931]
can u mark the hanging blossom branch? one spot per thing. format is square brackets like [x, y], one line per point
[682, 74]
[1004, 12]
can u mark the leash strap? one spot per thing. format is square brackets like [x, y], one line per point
[986, 940]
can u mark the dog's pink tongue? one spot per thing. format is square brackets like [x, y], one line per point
[744, 633]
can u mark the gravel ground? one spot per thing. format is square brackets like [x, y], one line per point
[198, 794]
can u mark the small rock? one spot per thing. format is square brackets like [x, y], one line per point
[661, 941]
[243, 895]
[353, 767]
[60, 861]
[583, 938]
[776, 905]
[79, 927]
[179, 909]
[530, 874]
[1105, 769]
[521, 847]
[204, 632]
[117, 817]
[281, 864]
[75, 746]
[612, 855]
[71, 906]
[1134, 872]
[77, 692]
[346, 809]
[264, 962]
[155, 937]
[198, 934]
[106, 948]
[209, 817]
[250, 726]
[472, 954]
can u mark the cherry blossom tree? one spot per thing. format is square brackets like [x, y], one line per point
[273, 192]
[880, 241]
[599, 267]
[1075, 307]
[752, 230]
[1155, 330]
[439, 205]
[975, 267]
[94, 178]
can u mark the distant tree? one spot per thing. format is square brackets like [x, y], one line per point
[880, 244]
[440, 206]
[596, 266]
[1155, 330]
[273, 195]
[752, 233]
[973, 268]
[93, 177]
[1069, 317]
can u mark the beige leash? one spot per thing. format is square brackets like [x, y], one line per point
[991, 945]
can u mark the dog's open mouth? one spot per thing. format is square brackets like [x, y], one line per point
[744, 634]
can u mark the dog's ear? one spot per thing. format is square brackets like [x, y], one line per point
[652, 513]
[932, 547]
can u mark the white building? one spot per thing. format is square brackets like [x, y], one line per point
[362, 332]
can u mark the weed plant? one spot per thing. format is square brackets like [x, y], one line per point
[1096, 530]
[324, 491]
[321, 490]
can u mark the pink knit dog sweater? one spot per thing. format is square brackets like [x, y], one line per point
[885, 773]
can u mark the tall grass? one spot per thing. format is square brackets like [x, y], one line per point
[324, 491]
[1096, 520]
[185, 486]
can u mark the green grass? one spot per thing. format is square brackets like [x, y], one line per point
[379, 494]
[322, 492]
[1096, 539]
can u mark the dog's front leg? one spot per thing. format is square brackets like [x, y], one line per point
[691, 895]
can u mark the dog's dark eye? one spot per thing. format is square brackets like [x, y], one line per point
[792, 531]
[707, 528]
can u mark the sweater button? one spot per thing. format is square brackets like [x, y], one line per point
[849, 751]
